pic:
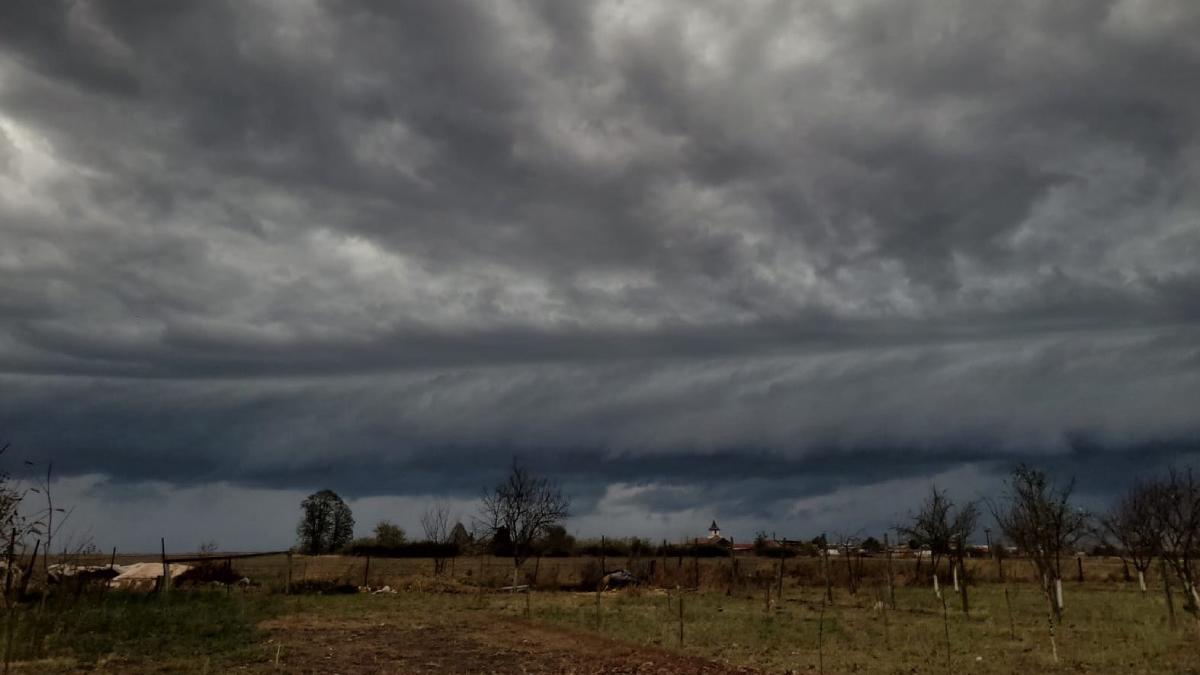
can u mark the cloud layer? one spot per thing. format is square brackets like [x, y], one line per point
[384, 246]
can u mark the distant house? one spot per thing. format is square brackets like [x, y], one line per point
[979, 551]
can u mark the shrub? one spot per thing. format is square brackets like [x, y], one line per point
[416, 549]
[209, 572]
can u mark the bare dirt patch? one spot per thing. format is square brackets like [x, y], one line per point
[462, 644]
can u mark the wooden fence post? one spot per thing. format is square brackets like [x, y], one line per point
[1012, 627]
[890, 577]
[112, 562]
[825, 571]
[732, 569]
[679, 567]
[662, 566]
[602, 544]
[680, 620]
[367, 571]
[887, 639]
[28, 573]
[966, 605]
[287, 586]
[821, 640]
[165, 586]
[850, 572]
[779, 589]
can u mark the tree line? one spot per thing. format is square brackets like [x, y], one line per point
[521, 516]
[1155, 519]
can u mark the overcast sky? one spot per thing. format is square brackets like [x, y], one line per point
[781, 264]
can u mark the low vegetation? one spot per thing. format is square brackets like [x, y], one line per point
[1107, 627]
[194, 628]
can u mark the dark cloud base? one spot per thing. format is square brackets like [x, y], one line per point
[730, 255]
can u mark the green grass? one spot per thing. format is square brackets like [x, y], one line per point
[135, 626]
[1107, 627]
[1104, 629]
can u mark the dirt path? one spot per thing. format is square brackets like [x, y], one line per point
[461, 644]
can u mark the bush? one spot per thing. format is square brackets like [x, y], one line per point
[556, 543]
[323, 587]
[416, 549]
[696, 550]
[206, 573]
[776, 552]
[612, 548]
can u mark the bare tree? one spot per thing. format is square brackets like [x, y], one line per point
[435, 523]
[849, 544]
[523, 507]
[10, 498]
[1132, 524]
[941, 526]
[1037, 516]
[1177, 509]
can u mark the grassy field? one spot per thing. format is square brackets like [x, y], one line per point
[1108, 626]
[560, 573]
[1104, 629]
[193, 632]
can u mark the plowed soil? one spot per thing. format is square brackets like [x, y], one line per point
[460, 644]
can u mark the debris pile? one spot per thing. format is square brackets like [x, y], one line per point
[617, 579]
[145, 575]
[63, 572]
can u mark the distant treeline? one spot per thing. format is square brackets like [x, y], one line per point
[415, 549]
[611, 548]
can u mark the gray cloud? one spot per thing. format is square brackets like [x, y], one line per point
[386, 245]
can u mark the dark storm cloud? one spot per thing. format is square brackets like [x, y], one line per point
[803, 246]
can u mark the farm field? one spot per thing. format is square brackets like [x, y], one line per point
[450, 625]
[561, 573]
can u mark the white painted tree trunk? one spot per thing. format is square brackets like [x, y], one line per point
[936, 589]
[1058, 592]
[1142, 580]
[954, 568]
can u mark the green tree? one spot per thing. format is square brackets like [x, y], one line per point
[327, 524]
[460, 537]
[557, 542]
[388, 534]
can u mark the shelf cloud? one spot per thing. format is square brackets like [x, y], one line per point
[693, 259]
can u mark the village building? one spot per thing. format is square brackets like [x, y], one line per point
[714, 537]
